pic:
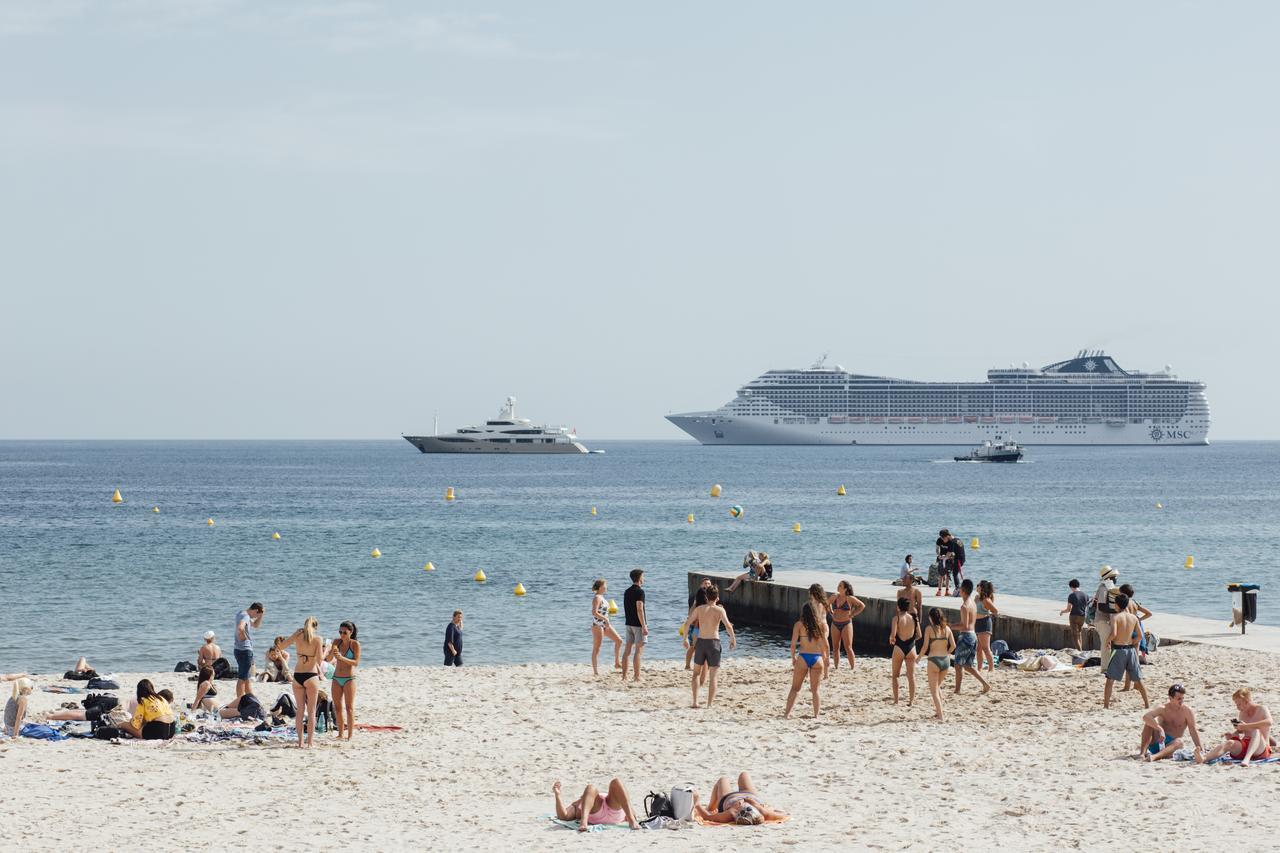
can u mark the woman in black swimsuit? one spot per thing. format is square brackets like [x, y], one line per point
[903, 633]
[843, 608]
[306, 676]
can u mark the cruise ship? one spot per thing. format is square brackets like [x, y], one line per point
[504, 434]
[1088, 399]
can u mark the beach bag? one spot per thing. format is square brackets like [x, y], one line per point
[682, 802]
[101, 701]
[102, 684]
[934, 574]
[658, 805]
[185, 666]
[222, 669]
[72, 675]
[999, 649]
[1091, 612]
[107, 733]
[1151, 642]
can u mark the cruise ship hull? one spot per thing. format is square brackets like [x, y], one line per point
[716, 428]
[434, 444]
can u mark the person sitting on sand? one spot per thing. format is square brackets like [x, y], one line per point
[808, 636]
[844, 607]
[15, 709]
[938, 645]
[966, 651]
[755, 570]
[277, 669]
[206, 691]
[740, 805]
[1164, 726]
[1251, 737]
[153, 719]
[707, 650]
[208, 651]
[591, 809]
[1124, 653]
[904, 630]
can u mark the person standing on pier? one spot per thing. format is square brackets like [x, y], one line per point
[966, 638]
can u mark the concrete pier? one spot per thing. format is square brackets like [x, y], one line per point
[1024, 623]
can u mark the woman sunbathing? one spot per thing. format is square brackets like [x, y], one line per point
[741, 805]
[591, 809]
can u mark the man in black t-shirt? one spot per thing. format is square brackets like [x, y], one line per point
[636, 620]
[942, 549]
[957, 559]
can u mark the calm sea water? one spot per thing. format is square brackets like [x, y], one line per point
[133, 589]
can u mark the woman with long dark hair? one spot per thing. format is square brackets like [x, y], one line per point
[154, 718]
[345, 653]
[939, 643]
[306, 676]
[986, 610]
[205, 691]
[903, 633]
[844, 607]
[806, 636]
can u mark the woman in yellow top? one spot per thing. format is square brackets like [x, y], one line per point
[153, 720]
[306, 675]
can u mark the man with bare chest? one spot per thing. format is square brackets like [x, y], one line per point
[1163, 728]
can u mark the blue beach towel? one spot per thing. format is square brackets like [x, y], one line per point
[39, 731]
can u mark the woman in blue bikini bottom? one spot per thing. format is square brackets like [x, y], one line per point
[808, 647]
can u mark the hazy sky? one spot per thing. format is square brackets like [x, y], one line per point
[308, 219]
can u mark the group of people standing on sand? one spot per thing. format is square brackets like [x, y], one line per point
[312, 652]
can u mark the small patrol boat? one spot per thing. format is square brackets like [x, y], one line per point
[1006, 451]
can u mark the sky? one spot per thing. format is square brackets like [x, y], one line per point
[245, 219]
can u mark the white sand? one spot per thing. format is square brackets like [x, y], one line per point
[1036, 764]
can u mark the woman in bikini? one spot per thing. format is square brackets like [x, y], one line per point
[819, 599]
[209, 652]
[699, 599]
[592, 809]
[741, 805]
[206, 691]
[844, 607]
[939, 643]
[600, 627]
[306, 676]
[345, 653]
[903, 633]
[807, 635]
[982, 627]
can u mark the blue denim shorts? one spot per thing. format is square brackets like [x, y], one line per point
[966, 648]
[244, 663]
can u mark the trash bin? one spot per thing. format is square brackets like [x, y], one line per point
[1244, 603]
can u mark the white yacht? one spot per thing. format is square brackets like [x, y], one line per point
[504, 434]
[1088, 399]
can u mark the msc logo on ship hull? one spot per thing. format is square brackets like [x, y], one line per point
[1158, 434]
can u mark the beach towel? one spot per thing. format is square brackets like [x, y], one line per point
[39, 731]
[595, 827]
[1189, 755]
[767, 821]
[368, 727]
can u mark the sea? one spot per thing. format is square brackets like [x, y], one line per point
[133, 589]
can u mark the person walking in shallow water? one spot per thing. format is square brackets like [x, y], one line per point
[600, 627]
[807, 635]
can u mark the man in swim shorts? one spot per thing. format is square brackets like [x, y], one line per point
[706, 651]
[1252, 735]
[247, 619]
[1163, 728]
[966, 638]
[1124, 652]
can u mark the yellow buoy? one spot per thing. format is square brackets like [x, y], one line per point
[680, 630]
[116, 499]
[974, 544]
[480, 576]
[593, 510]
[155, 509]
[840, 491]
[715, 490]
[448, 493]
[689, 518]
[209, 522]
[613, 607]
[375, 553]
[1190, 563]
[795, 528]
[276, 536]
[519, 589]
[429, 567]
[1159, 506]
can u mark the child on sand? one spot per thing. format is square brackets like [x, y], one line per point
[808, 636]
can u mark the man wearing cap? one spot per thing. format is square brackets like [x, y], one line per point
[1104, 599]
[1164, 727]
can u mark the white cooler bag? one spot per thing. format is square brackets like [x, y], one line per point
[682, 801]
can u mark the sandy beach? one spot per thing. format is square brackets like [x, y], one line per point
[1035, 764]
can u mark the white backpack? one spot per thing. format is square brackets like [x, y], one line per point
[682, 801]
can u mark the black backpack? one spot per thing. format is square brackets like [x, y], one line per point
[658, 805]
[222, 669]
[185, 666]
[101, 701]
